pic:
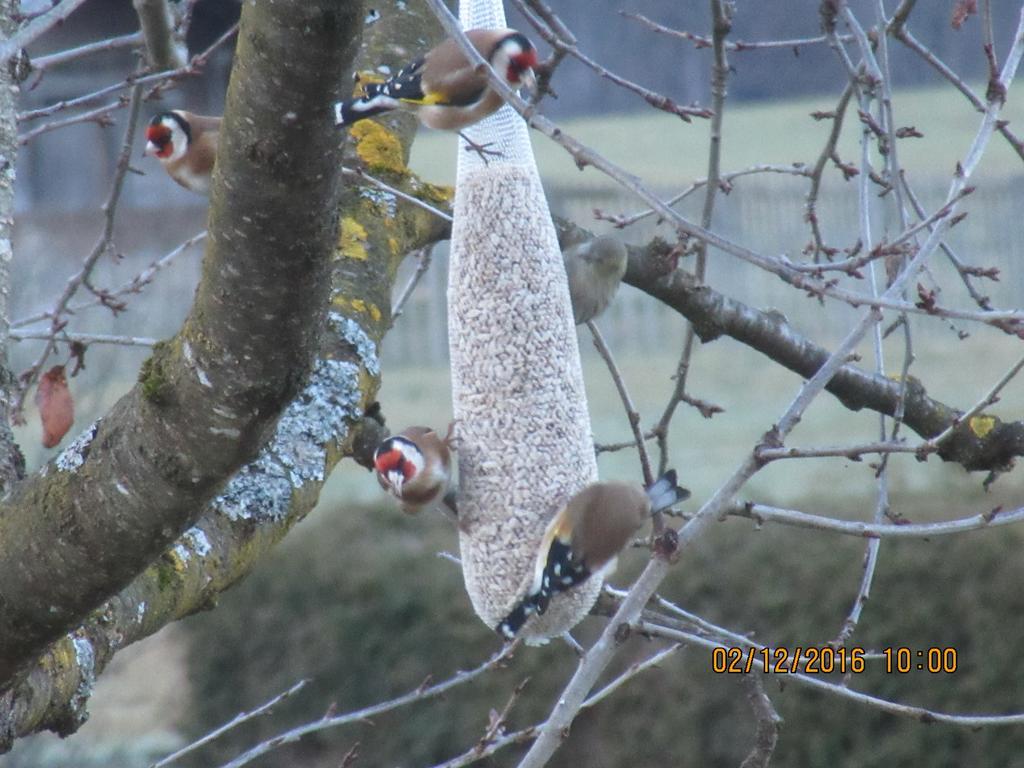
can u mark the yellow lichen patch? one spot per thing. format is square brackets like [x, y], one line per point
[352, 242]
[378, 147]
[435, 193]
[359, 306]
[982, 425]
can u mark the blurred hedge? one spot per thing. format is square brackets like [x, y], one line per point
[361, 603]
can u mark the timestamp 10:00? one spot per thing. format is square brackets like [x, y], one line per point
[827, 660]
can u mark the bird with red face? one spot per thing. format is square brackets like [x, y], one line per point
[443, 88]
[414, 466]
[186, 146]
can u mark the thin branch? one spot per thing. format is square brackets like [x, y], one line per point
[632, 415]
[725, 181]
[423, 259]
[657, 100]
[585, 156]
[44, 63]
[768, 724]
[240, 718]
[945, 71]
[163, 50]
[700, 41]
[101, 247]
[100, 116]
[721, 25]
[420, 693]
[763, 513]
[993, 395]
[135, 285]
[965, 272]
[854, 452]
[475, 755]
[920, 714]
[633, 670]
[85, 338]
[158, 80]
[37, 27]
[361, 174]
[828, 152]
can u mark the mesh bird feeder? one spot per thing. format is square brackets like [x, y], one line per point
[524, 437]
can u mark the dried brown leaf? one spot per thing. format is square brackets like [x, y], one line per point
[56, 408]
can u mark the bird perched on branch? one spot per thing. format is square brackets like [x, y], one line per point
[595, 268]
[186, 146]
[414, 467]
[443, 88]
[585, 538]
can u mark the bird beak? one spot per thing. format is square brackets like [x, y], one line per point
[396, 479]
[150, 149]
[529, 81]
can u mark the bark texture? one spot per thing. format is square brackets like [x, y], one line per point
[108, 506]
[11, 461]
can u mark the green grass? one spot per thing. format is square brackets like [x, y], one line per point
[668, 153]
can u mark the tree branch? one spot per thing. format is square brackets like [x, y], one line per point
[324, 424]
[163, 51]
[111, 503]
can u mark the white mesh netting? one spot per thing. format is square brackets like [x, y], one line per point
[525, 442]
[504, 128]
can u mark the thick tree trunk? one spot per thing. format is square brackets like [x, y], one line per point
[126, 489]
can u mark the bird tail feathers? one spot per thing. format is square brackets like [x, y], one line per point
[664, 492]
[353, 110]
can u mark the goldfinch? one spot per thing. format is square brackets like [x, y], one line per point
[585, 538]
[414, 466]
[186, 146]
[443, 88]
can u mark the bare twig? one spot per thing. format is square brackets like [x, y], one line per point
[35, 28]
[965, 272]
[85, 338]
[475, 755]
[701, 41]
[763, 513]
[943, 69]
[44, 63]
[632, 415]
[423, 258]
[240, 718]
[721, 25]
[817, 682]
[657, 100]
[420, 693]
[163, 50]
[725, 181]
[361, 174]
[101, 246]
[817, 173]
[585, 156]
[135, 285]
[158, 80]
[768, 723]
[993, 395]
[100, 116]
[633, 670]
